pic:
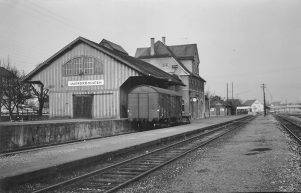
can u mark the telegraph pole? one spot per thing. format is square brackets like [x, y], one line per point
[227, 100]
[232, 92]
[264, 109]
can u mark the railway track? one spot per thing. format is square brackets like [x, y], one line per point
[291, 126]
[118, 175]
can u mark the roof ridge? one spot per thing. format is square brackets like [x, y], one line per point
[139, 65]
[175, 57]
[183, 45]
[152, 66]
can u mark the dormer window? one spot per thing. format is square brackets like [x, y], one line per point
[83, 65]
[165, 65]
[175, 66]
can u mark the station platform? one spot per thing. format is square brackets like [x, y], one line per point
[31, 164]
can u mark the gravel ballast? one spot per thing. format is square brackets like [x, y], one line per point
[259, 157]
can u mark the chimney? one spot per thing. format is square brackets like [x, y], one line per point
[163, 40]
[152, 48]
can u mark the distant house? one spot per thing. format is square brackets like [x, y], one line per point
[180, 61]
[218, 108]
[250, 107]
[276, 103]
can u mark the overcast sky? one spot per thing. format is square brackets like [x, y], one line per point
[247, 42]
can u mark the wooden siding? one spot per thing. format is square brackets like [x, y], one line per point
[106, 102]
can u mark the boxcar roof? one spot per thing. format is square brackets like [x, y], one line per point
[153, 89]
[142, 67]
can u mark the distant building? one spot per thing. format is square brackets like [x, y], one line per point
[218, 108]
[250, 107]
[276, 103]
[180, 61]
[277, 107]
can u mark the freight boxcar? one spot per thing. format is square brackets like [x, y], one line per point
[150, 106]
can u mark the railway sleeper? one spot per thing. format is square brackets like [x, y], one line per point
[87, 190]
[130, 171]
[182, 149]
[155, 160]
[98, 184]
[139, 165]
[107, 183]
[147, 164]
[177, 151]
[169, 155]
[90, 185]
[137, 169]
[159, 156]
[165, 156]
[108, 179]
[122, 174]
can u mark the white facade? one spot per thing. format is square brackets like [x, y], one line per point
[257, 107]
[252, 108]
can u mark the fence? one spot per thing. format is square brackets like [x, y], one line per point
[23, 116]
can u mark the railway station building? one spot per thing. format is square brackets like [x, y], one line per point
[181, 61]
[86, 79]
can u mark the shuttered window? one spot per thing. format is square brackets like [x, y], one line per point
[83, 65]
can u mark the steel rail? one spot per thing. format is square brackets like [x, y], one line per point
[64, 183]
[171, 160]
[102, 170]
[280, 120]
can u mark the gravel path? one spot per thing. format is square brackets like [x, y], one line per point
[260, 157]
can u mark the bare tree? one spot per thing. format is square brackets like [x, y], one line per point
[41, 94]
[14, 91]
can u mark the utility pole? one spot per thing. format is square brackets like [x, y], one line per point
[227, 100]
[209, 96]
[264, 109]
[232, 92]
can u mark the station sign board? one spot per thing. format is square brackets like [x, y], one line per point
[86, 83]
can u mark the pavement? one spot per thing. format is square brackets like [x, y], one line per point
[31, 164]
[260, 157]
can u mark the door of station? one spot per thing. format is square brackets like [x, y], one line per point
[82, 106]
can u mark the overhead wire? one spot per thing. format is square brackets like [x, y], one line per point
[32, 9]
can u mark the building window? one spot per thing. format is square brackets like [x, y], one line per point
[83, 65]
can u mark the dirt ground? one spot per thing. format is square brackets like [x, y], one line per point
[259, 157]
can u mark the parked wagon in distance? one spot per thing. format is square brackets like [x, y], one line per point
[150, 107]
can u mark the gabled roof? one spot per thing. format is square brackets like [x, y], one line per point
[142, 67]
[180, 51]
[184, 51]
[162, 50]
[149, 69]
[112, 46]
[276, 103]
[215, 103]
[249, 102]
